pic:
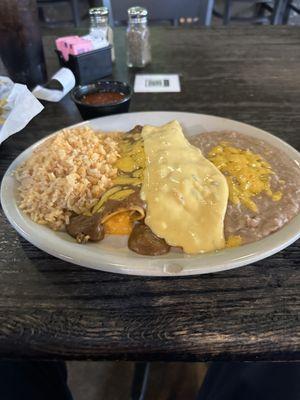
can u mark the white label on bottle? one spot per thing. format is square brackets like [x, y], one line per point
[156, 83]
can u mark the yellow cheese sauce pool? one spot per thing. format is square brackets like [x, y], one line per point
[247, 174]
[186, 194]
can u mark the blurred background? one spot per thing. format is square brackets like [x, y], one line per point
[53, 13]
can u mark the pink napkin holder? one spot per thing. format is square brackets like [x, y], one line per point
[73, 45]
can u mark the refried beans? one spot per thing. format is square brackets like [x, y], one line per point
[271, 215]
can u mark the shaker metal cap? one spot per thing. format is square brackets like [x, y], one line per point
[101, 11]
[137, 13]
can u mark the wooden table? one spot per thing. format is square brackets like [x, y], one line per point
[50, 309]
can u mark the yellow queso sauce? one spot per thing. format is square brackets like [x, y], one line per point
[186, 195]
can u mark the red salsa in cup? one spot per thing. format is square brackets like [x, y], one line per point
[101, 98]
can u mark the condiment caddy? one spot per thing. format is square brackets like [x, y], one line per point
[89, 57]
[88, 67]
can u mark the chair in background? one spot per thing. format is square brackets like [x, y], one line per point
[75, 10]
[282, 11]
[273, 12]
[162, 10]
[260, 9]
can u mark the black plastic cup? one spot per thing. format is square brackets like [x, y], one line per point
[89, 111]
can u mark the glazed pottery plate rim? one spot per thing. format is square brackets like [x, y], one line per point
[112, 254]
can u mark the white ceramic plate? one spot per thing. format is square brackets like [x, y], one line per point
[112, 253]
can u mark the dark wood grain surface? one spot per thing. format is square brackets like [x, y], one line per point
[50, 309]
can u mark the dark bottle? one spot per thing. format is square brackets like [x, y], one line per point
[21, 45]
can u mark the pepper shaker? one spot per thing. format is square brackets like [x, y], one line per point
[138, 45]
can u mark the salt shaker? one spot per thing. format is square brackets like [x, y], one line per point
[138, 46]
[100, 31]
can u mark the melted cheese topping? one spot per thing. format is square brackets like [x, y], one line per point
[234, 241]
[131, 163]
[186, 194]
[247, 174]
[119, 224]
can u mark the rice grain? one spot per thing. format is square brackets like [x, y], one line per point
[65, 174]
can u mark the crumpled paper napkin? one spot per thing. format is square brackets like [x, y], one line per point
[19, 108]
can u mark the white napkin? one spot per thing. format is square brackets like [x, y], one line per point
[67, 80]
[21, 106]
